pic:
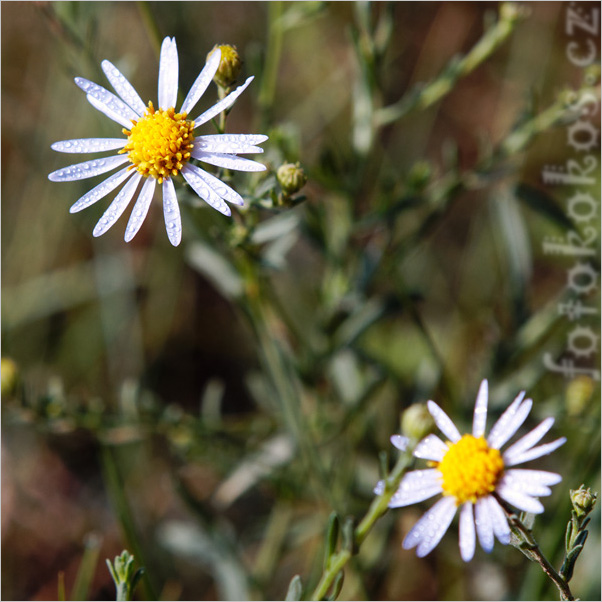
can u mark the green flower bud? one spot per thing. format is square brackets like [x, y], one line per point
[416, 421]
[229, 66]
[583, 501]
[10, 376]
[512, 11]
[291, 178]
[579, 392]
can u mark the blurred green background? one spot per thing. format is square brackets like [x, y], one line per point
[142, 414]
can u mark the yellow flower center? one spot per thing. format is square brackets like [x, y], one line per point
[470, 469]
[160, 143]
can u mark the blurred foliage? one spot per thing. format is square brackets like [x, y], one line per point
[210, 406]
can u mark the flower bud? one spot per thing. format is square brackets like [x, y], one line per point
[10, 376]
[291, 178]
[583, 501]
[229, 65]
[416, 421]
[579, 393]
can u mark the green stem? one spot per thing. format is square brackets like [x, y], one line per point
[421, 98]
[272, 55]
[124, 515]
[378, 507]
[530, 548]
[288, 390]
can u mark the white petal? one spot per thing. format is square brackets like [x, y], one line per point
[521, 500]
[222, 189]
[416, 486]
[140, 209]
[117, 207]
[87, 169]
[171, 212]
[400, 442]
[532, 482]
[379, 489]
[100, 191]
[443, 422]
[510, 421]
[229, 143]
[466, 532]
[480, 411]
[431, 527]
[168, 74]
[535, 452]
[123, 87]
[529, 440]
[542, 477]
[222, 105]
[230, 161]
[204, 190]
[431, 448]
[499, 522]
[106, 102]
[126, 123]
[484, 524]
[88, 145]
[202, 81]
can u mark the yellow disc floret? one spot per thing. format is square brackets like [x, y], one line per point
[470, 469]
[160, 143]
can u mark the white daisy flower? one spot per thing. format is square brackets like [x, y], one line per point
[159, 144]
[472, 473]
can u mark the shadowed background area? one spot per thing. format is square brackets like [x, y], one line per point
[141, 394]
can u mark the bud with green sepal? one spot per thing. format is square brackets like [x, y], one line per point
[417, 422]
[291, 178]
[10, 376]
[124, 576]
[583, 501]
[229, 66]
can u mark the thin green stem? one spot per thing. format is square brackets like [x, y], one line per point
[378, 507]
[124, 513]
[530, 548]
[421, 98]
[287, 388]
[272, 55]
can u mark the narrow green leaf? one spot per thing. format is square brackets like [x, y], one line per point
[332, 538]
[543, 203]
[215, 268]
[337, 586]
[295, 589]
[61, 595]
[87, 568]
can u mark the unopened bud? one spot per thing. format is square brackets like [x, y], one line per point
[10, 376]
[579, 393]
[291, 178]
[583, 501]
[416, 421]
[229, 66]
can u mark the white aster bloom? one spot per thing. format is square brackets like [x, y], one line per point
[472, 473]
[159, 144]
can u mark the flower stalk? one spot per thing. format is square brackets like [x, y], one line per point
[421, 97]
[523, 540]
[336, 562]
